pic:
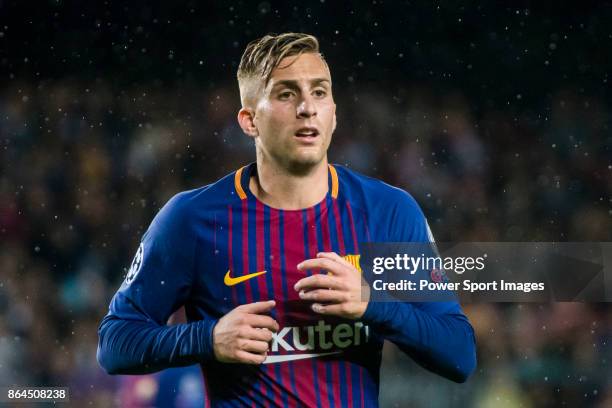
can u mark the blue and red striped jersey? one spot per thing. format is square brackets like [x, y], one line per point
[217, 247]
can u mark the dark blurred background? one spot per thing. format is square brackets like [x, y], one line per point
[495, 118]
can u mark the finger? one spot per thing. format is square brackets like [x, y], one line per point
[335, 257]
[332, 266]
[261, 322]
[324, 295]
[250, 358]
[253, 333]
[254, 346]
[335, 309]
[319, 282]
[257, 307]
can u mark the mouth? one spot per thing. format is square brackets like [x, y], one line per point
[307, 133]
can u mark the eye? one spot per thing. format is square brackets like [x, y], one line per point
[319, 93]
[285, 95]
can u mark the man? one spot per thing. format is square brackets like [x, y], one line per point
[265, 262]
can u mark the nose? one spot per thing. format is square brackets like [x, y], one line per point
[306, 108]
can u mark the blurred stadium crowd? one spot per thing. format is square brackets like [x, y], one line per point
[84, 168]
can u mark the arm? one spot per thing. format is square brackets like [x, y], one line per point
[437, 335]
[139, 346]
[441, 341]
[133, 337]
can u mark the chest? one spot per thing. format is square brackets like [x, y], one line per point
[249, 252]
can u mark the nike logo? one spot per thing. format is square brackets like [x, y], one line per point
[293, 357]
[229, 281]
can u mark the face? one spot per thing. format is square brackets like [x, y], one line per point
[296, 115]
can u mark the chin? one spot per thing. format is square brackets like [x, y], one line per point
[304, 163]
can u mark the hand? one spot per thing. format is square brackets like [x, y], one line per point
[338, 293]
[243, 335]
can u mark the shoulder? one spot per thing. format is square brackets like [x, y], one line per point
[375, 192]
[221, 192]
[392, 213]
[185, 206]
[181, 205]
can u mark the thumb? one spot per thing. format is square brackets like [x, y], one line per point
[258, 307]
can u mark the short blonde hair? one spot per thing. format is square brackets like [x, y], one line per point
[261, 56]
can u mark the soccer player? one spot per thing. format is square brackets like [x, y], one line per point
[265, 262]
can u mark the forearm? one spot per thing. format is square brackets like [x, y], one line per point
[443, 343]
[139, 347]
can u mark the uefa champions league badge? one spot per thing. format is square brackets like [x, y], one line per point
[136, 265]
[438, 275]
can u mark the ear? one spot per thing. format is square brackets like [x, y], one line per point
[334, 124]
[246, 120]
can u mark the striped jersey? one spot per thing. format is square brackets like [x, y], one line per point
[218, 247]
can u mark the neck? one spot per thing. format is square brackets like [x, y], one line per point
[280, 188]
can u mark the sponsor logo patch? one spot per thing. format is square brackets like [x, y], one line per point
[322, 339]
[231, 281]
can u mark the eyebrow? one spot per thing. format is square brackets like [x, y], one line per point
[289, 83]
